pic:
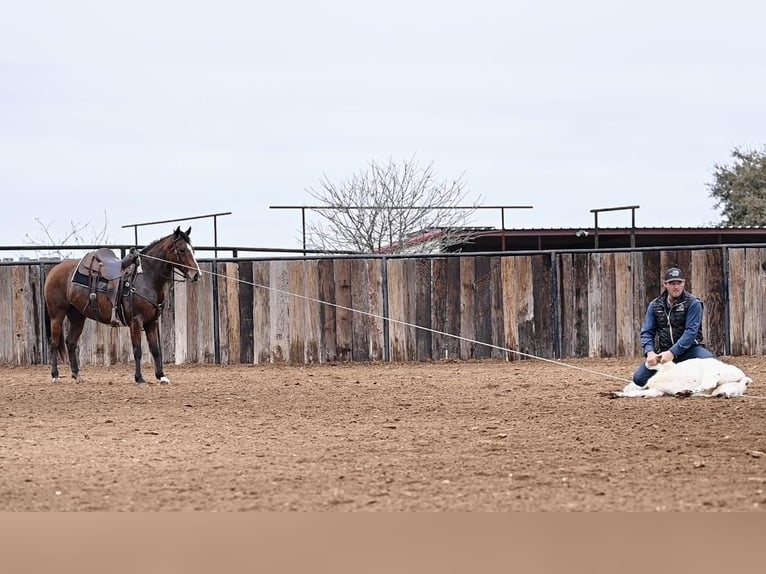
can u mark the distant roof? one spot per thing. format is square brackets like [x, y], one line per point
[523, 239]
[487, 239]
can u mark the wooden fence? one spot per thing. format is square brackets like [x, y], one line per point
[507, 306]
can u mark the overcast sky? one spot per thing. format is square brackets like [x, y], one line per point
[144, 110]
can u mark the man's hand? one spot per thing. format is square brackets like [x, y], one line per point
[652, 359]
[666, 357]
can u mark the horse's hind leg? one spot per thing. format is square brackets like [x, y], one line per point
[55, 345]
[76, 324]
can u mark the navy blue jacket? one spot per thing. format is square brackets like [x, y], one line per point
[675, 328]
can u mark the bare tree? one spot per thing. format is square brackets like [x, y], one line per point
[78, 233]
[391, 207]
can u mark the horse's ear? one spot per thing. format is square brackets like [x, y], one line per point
[188, 231]
[177, 231]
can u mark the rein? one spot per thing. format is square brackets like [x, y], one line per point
[150, 294]
[175, 271]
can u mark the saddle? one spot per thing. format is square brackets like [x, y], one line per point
[101, 271]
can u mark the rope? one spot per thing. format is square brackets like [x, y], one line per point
[406, 324]
[434, 331]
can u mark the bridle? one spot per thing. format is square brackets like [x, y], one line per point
[177, 267]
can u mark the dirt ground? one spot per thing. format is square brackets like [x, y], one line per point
[490, 436]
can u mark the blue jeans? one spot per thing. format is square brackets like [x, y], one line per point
[642, 374]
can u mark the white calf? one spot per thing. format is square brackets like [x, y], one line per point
[702, 377]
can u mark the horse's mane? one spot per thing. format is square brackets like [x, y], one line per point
[161, 239]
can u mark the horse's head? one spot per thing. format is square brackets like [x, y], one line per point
[181, 254]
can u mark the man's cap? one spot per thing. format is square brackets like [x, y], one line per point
[674, 274]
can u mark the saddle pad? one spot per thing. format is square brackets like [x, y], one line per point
[79, 278]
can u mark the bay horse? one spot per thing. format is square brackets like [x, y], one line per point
[140, 301]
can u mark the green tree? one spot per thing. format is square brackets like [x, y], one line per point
[740, 189]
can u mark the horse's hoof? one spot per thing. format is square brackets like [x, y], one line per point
[54, 379]
[164, 380]
[684, 394]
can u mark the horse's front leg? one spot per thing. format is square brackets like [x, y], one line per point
[135, 339]
[153, 338]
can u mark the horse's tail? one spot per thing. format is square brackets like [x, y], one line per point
[60, 348]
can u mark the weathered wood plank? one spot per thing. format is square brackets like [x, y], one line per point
[580, 275]
[566, 291]
[753, 298]
[626, 325]
[27, 339]
[222, 282]
[228, 288]
[313, 329]
[34, 315]
[248, 314]
[181, 322]
[448, 346]
[86, 345]
[454, 307]
[167, 327]
[327, 314]
[707, 275]
[100, 340]
[524, 307]
[205, 325]
[410, 299]
[192, 321]
[608, 304]
[509, 275]
[759, 279]
[6, 315]
[482, 307]
[401, 279]
[422, 310]
[124, 347]
[19, 282]
[542, 291]
[360, 303]
[496, 310]
[296, 311]
[375, 292]
[279, 316]
[255, 315]
[595, 293]
[343, 321]
[396, 331]
[653, 272]
[737, 301]
[439, 314]
[467, 307]
[639, 302]
[714, 314]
